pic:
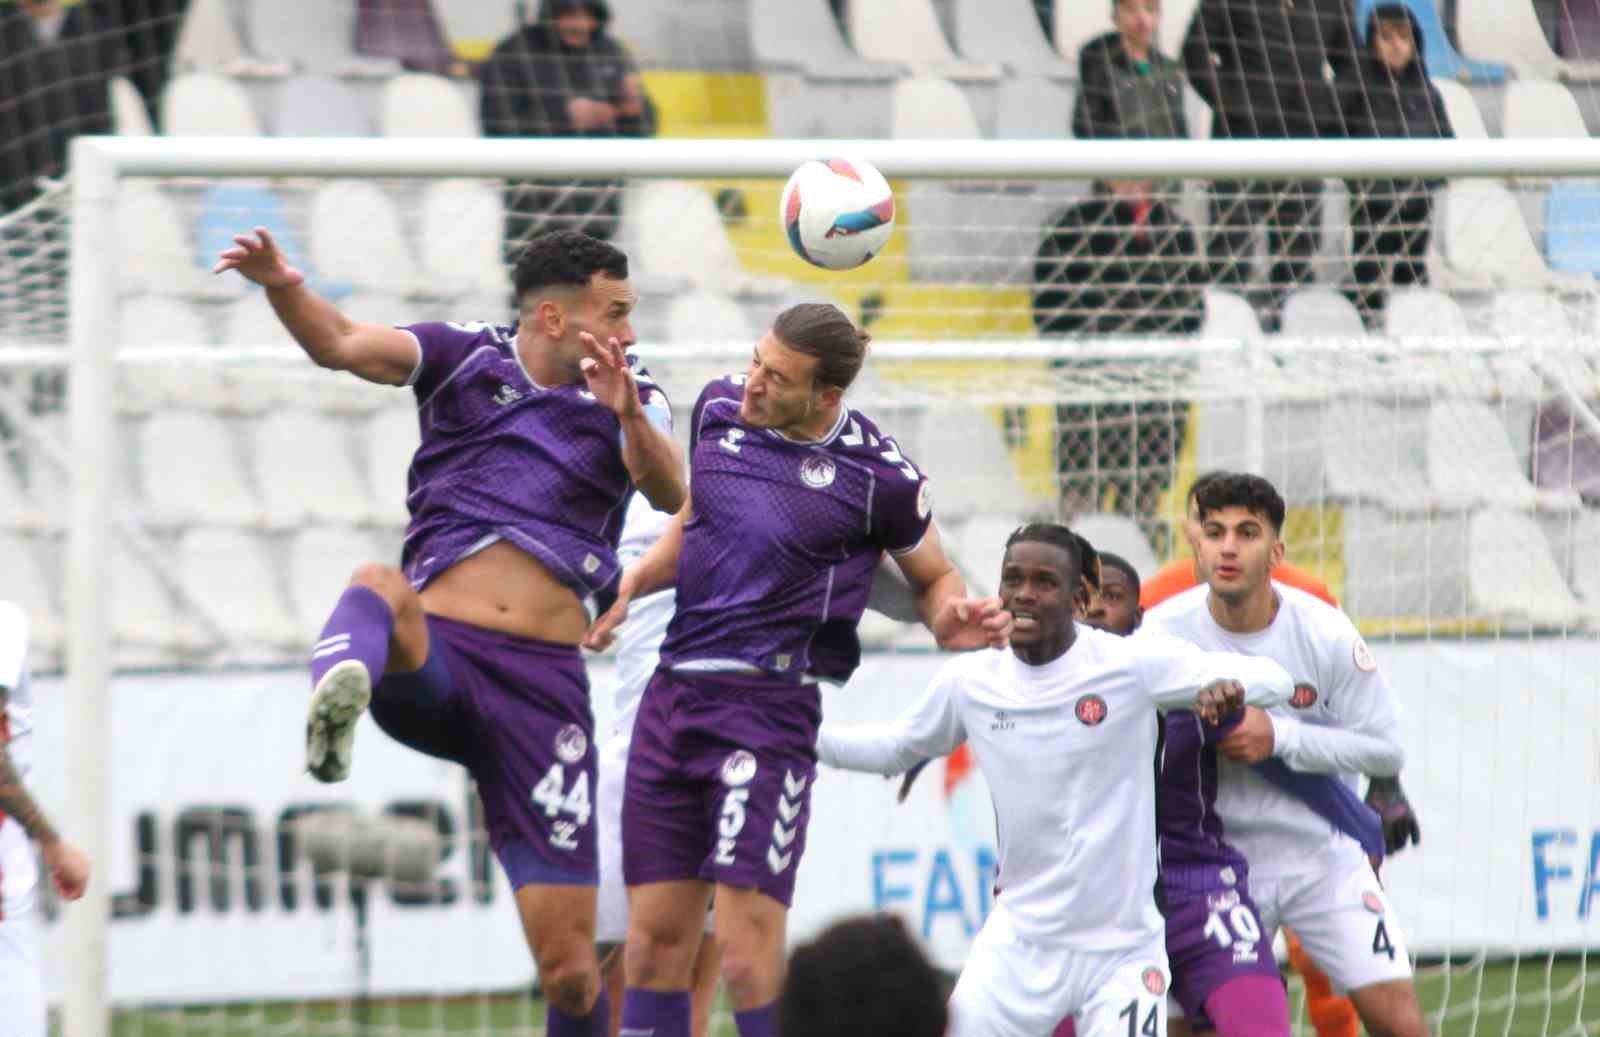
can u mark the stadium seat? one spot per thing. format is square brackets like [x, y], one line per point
[1229, 316]
[1118, 535]
[129, 116]
[421, 105]
[672, 231]
[1423, 312]
[907, 32]
[18, 511]
[204, 104]
[388, 441]
[1486, 237]
[1586, 558]
[1370, 455]
[1175, 18]
[1443, 60]
[462, 221]
[1077, 24]
[29, 576]
[150, 321]
[1466, 119]
[305, 471]
[145, 621]
[209, 41]
[1382, 574]
[1321, 313]
[802, 36]
[708, 318]
[313, 35]
[1541, 108]
[410, 32]
[316, 105]
[685, 34]
[191, 473]
[1531, 314]
[930, 107]
[978, 547]
[384, 308]
[157, 257]
[233, 582]
[1572, 226]
[1500, 542]
[356, 239]
[321, 560]
[1508, 31]
[1471, 461]
[252, 323]
[1007, 32]
[963, 451]
[1033, 108]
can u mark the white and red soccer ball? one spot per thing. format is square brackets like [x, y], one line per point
[837, 212]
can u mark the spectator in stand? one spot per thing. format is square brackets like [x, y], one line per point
[864, 975]
[1392, 97]
[1126, 87]
[55, 67]
[1121, 262]
[148, 31]
[564, 75]
[1269, 69]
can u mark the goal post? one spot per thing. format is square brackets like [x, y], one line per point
[1347, 424]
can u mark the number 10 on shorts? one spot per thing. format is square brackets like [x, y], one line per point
[553, 795]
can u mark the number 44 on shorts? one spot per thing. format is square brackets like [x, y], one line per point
[553, 795]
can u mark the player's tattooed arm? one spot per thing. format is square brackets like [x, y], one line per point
[15, 800]
[957, 621]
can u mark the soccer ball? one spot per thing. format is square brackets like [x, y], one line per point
[837, 212]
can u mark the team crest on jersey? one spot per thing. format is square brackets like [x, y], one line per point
[1304, 697]
[1228, 876]
[817, 472]
[924, 500]
[739, 768]
[1154, 981]
[1091, 709]
[1372, 902]
[590, 564]
[571, 743]
[1363, 657]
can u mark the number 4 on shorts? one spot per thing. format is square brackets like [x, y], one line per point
[1134, 1029]
[1380, 941]
[552, 794]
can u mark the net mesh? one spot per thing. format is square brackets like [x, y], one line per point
[1411, 362]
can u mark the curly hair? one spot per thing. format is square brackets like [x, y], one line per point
[1240, 490]
[565, 258]
[1054, 533]
[864, 975]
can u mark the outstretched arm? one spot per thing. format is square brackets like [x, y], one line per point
[957, 621]
[655, 570]
[373, 352]
[931, 727]
[68, 866]
[649, 452]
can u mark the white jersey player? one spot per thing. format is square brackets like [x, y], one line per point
[638, 651]
[22, 823]
[1065, 729]
[1305, 872]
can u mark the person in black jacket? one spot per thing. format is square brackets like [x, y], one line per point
[56, 64]
[1120, 262]
[564, 75]
[1126, 87]
[1269, 69]
[1392, 97]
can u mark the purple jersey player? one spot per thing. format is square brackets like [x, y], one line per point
[533, 438]
[794, 499]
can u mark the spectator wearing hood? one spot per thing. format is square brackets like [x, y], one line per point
[1127, 87]
[1392, 97]
[564, 75]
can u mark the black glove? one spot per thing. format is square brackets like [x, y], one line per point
[909, 780]
[1399, 824]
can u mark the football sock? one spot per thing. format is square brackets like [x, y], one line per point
[359, 628]
[655, 1013]
[1249, 1006]
[559, 1024]
[756, 1022]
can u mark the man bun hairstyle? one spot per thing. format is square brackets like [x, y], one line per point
[821, 330]
[1240, 490]
[565, 259]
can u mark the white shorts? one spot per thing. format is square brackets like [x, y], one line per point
[1015, 988]
[21, 986]
[1343, 918]
[611, 904]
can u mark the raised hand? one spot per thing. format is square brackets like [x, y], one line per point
[68, 867]
[258, 258]
[965, 623]
[606, 371]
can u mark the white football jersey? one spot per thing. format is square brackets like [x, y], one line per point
[639, 637]
[18, 871]
[1342, 719]
[1068, 750]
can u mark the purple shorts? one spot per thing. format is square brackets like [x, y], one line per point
[719, 781]
[515, 712]
[1213, 937]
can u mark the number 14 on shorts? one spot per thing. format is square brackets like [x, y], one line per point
[553, 795]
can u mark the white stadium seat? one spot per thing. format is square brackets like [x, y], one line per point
[306, 473]
[356, 239]
[388, 441]
[462, 223]
[144, 620]
[673, 234]
[230, 578]
[1321, 313]
[1471, 461]
[129, 116]
[1118, 535]
[978, 547]
[321, 560]
[204, 104]
[707, 318]
[1033, 108]
[908, 32]
[1229, 316]
[1007, 32]
[1423, 312]
[1466, 120]
[1368, 455]
[1586, 558]
[191, 473]
[316, 105]
[417, 104]
[1541, 108]
[927, 106]
[156, 254]
[1511, 572]
[209, 41]
[315, 35]
[1486, 237]
[1077, 24]
[1508, 31]
[964, 454]
[31, 570]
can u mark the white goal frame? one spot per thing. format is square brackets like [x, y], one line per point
[100, 163]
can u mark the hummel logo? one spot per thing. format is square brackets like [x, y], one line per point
[779, 855]
[506, 395]
[1002, 722]
[730, 440]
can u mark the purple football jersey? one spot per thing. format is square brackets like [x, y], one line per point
[778, 556]
[504, 458]
[1194, 856]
